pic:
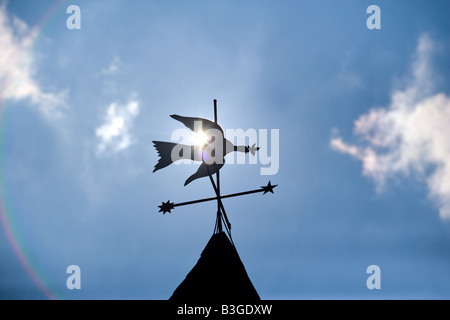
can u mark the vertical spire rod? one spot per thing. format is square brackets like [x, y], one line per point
[215, 110]
[219, 216]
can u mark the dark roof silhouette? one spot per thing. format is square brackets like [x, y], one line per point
[218, 276]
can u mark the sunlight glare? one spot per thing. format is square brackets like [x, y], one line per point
[199, 138]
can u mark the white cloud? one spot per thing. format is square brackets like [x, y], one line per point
[114, 134]
[17, 66]
[112, 68]
[410, 137]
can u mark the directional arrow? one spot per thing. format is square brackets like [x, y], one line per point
[167, 206]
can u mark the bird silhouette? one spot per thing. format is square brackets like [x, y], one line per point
[215, 143]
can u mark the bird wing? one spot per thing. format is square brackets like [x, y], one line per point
[204, 170]
[190, 123]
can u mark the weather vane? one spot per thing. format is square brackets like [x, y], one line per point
[210, 149]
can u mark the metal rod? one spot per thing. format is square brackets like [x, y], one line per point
[219, 220]
[220, 202]
[215, 198]
[215, 110]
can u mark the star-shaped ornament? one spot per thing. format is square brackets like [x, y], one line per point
[268, 188]
[166, 207]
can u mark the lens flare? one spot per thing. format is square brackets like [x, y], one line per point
[199, 138]
[7, 217]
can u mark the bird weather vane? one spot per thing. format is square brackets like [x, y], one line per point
[210, 148]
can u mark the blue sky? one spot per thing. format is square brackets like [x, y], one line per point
[364, 162]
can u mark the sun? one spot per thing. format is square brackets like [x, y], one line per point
[199, 138]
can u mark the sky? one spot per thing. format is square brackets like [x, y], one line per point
[361, 159]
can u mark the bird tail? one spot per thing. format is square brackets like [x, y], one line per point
[167, 153]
